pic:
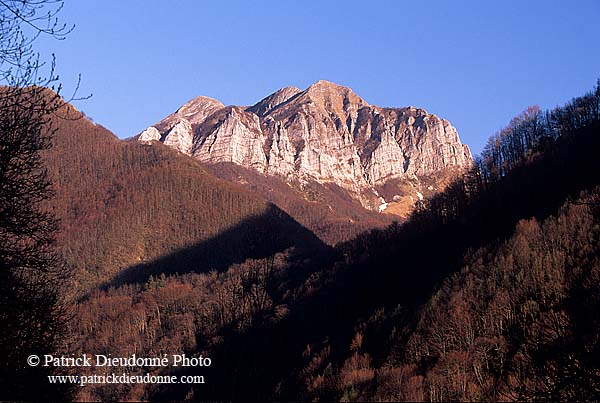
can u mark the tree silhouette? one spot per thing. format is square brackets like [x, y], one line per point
[32, 313]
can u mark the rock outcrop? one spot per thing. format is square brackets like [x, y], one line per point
[325, 133]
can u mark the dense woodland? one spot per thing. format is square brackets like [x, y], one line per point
[488, 292]
[123, 205]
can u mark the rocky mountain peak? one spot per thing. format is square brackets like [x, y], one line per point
[328, 87]
[332, 97]
[327, 134]
[277, 98]
[197, 109]
[198, 103]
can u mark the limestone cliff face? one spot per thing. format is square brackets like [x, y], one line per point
[325, 133]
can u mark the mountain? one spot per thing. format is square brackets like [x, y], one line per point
[385, 159]
[489, 291]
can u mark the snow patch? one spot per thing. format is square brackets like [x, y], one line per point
[419, 195]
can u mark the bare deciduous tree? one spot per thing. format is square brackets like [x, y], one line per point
[32, 312]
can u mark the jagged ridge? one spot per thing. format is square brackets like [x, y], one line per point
[325, 133]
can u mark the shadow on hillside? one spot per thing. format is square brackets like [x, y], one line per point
[256, 237]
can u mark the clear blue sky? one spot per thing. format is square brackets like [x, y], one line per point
[476, 63]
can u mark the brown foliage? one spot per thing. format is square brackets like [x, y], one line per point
[122, 203]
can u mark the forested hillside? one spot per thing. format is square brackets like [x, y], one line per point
[488, 292]
[518, 321]
[123, 204]
[166, 257]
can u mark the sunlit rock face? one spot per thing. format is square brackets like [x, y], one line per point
[325, 133]
[149, 135]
